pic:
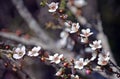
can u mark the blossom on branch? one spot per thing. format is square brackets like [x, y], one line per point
[19, 52]
[81, 63]
[103, 58]
[75, 27]
[86, 33]
[96, 45]
[53, 6]
[34, 52]
[56, 58]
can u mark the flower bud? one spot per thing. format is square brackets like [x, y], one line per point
[66, 64]
[88, 71]
[43, 59]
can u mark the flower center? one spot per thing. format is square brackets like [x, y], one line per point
[56, 58]
[81, 64]
[33, 52]
[96, 45]
[104, 62]
[75, 28]
[52, 7]
[20, 53]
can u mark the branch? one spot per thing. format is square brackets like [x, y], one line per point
[32, 23]
[34, 41]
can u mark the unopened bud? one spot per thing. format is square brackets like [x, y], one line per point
[88, 71]
[66, 64]
[43, 59]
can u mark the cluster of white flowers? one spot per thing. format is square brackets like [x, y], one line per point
[21, 51]
[71, 28]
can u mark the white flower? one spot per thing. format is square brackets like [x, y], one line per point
[80, 3]
[75, 27]
[81, 63]
[64, 34]
[86, 33]
[56, 58]
[34, 52]
[96, 45]
[19, 52]
[103, 58]
[74, 77]
[53, 6]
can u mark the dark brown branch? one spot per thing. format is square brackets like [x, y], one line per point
[32, 23]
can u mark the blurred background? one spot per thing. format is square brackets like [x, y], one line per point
[11, 21]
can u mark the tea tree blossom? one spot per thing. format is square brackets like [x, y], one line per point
[53, 6]
[75, 27]
[81, 63]
[103, 58]
[86, 33]
[103, 61]
[19, 52]
[56, 58]
[96, 45]
[34, 52]
[74, 77]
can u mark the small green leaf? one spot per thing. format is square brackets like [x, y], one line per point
[42, 4]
